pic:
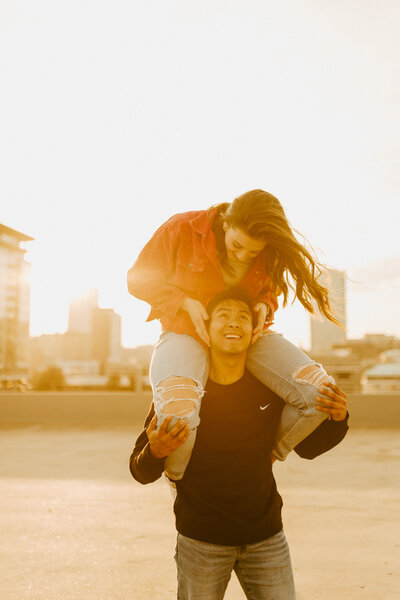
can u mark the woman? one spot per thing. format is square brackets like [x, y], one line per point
[192, 257]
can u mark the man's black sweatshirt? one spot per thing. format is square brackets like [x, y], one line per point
[228, 493]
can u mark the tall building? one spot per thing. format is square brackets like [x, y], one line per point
[106, 336]
[77, 341]
[324, 333]
[14, 303]
[80, 312]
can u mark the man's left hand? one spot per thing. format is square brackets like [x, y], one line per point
[336, 405]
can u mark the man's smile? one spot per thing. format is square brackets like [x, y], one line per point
[231, 326]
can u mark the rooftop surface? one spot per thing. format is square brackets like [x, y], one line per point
[76, 526]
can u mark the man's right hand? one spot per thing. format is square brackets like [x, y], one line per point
[163, 442]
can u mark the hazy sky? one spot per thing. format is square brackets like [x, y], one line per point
[116, 115]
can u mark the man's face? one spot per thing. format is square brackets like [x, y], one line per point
[231, 327]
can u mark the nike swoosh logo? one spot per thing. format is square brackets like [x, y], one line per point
[264, 407]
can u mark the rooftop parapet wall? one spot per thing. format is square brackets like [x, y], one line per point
[125, 409]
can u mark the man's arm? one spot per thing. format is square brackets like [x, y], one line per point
[324, 438]
[149, 278]
[153, 445]
[144, 467]
[330, 432]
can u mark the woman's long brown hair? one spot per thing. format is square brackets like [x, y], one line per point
[288, 262]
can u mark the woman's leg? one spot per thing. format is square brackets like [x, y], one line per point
[293, 376]
[178, 374]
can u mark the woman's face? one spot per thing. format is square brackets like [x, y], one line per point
[240, 246]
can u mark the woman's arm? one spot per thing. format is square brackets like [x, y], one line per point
[269, 297]
[148, 278]
[264, 309]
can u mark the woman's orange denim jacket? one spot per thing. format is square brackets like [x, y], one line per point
[180, 261]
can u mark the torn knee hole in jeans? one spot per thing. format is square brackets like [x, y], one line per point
[178, 396]
[313, 374]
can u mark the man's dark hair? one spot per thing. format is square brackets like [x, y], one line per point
[233, 293]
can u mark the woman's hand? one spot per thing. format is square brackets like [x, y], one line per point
[336, 406]
[163, 442]
[261, 309]
[198, 316]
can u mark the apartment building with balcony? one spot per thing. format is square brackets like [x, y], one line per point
[14, 303]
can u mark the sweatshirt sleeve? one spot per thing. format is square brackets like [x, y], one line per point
[144, 467]
[328, 435]
[148, 278]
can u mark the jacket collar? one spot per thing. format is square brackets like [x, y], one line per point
[203, 222]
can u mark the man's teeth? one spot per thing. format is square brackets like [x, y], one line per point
[232, 336]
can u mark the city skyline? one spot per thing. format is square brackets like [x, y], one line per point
[90, 355]
[91, 295]
[107, 133]
[292, 321]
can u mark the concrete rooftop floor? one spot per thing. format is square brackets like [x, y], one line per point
[76, 526]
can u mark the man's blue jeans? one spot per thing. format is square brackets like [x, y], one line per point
[264, 569]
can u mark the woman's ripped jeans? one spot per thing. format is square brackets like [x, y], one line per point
[179, 372]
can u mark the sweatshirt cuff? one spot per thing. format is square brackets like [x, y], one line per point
[155, 464]
[343, 422]
[147, 468]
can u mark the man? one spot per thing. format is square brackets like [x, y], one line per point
[227, 508]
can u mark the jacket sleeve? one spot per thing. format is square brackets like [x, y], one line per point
[269, 298]
[148, 278]
[144, 467]
[324, 438]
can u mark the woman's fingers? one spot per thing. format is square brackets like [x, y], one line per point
[256, 334]
[257, 331]
[203, 312]
[202, 332]
[198, 316]
[201, 326]
[261, 310]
